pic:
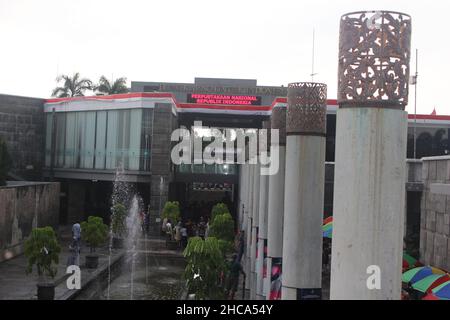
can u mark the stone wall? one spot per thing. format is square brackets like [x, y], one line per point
[22, 126]
[435, 212]
[24, 206]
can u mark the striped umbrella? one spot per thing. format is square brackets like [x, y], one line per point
[419, 273]
[327, 227]
[409, 262]
[442, 291]
[430, 282]
[431, 296]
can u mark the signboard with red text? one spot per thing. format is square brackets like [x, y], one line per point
[224, 99]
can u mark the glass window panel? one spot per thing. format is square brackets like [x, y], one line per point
[60, 138]
[87, 143]
[71, 140]
[134, 151]
[146, 139]
[111, 139]
[100, 140]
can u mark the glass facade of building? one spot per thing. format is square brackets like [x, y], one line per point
[102, 140]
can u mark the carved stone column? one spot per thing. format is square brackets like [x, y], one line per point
[276, 207]
[304, 191]
[371, 132]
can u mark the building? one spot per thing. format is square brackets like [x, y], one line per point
[84, 142]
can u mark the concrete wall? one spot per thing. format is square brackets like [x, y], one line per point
[24, 206]
[22, 125]
[435, 212]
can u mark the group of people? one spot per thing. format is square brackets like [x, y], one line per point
[181, 231]
[175, 232]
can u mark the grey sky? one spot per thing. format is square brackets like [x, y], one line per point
[178, 40]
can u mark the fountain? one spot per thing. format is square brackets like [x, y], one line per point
[133, 226]
[120, 194]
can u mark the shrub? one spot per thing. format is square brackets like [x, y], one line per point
[42, 249]
[205, 268]
[5, 162]
[222, 228]
[118, 220]
[218, 209]
[94, 232]
[171, 211]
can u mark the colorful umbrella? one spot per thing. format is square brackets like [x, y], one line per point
[442, 291]
[409, 262]
[430, 296]
[419, 273]
[430, 282]
[327, 220]
[327, 227]
[328, 233]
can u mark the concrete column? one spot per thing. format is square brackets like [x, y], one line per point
[261, 263]
[276, 199]
[249, 212]
[255, 230]
[262, 237]
[304, 191]
[242, 191]
[370, 167]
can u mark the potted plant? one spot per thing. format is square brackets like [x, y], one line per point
[222, 228]
[205, 268]
[219, 208]
[171, 211]
[94, 232]
[118, 225]
[42, 249]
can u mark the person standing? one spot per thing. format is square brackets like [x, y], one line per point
[169, 230]
[74, 247]
[201, 228]
[146, 222]
[184, 236]
[178, 234]
[233, 280]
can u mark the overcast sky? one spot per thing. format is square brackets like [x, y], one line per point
[177, 40]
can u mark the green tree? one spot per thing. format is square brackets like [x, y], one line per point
[42, 249]
[219, 208]
[171, 211]
[205, 268]
[118, 220]
[94, 232]
[72, 86]
[5, 162]
[222, 228]
[105, 87]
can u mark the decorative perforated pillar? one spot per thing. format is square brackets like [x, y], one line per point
[371, 131]
[304, 191]
[276, 208]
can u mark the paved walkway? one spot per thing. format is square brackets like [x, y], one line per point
[16, 285]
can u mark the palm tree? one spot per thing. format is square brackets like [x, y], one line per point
[105, 87]
[72, 87]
